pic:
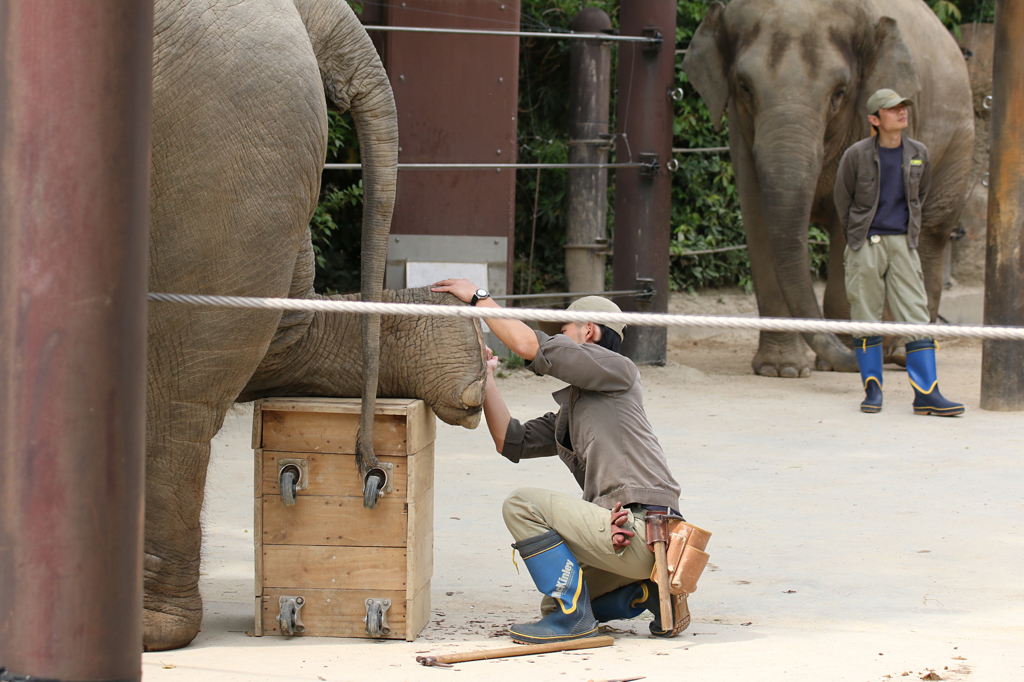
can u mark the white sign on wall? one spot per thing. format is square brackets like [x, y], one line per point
[419, 274]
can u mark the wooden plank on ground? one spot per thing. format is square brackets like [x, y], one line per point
[351, 568]
[333, 521]
[330, 474]
[335, 613]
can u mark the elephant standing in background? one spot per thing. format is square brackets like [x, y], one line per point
[796, 75]
[239, 140]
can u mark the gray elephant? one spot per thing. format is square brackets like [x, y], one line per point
[795, 76]
[239, 140]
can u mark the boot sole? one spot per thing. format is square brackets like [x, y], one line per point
[951, 412]
[524, 639]
[871, 409]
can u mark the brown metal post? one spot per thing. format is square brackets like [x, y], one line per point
[75, 100]
[589, 100]
[643, 205]
[1002, 376]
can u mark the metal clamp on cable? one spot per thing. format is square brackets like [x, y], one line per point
[650, 166]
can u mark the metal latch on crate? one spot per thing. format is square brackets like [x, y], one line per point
[376, 617]
[289, 619]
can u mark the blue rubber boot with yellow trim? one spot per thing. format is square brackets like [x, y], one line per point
[869, 359]
[632, 600]
[921, 370]
[556, 573]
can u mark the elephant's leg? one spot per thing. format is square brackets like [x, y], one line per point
[836, 305]
[199, 361]
[779, 354]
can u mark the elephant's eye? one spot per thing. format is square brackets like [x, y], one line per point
[748, 96]
[837, 98]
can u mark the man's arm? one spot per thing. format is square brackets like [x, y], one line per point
[846, 185]
[495, 411]
[519, 338]
[926, 179]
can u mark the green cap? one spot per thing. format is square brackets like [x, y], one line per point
[886, 99]
[587, 304]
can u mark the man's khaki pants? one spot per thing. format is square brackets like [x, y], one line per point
[890, 269]
[586, 530]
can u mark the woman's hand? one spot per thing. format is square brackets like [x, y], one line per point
[492, 361]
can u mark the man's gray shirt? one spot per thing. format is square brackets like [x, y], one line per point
[600, 431]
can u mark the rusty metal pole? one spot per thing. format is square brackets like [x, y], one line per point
[643, 203]
[75, 100]
[1002, 376]
[590, 74]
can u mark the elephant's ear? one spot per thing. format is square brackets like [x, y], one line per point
[890, 65]
[705, 67]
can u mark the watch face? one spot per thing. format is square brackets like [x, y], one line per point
[482, 293]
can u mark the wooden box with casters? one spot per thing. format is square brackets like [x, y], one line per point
[326, 566]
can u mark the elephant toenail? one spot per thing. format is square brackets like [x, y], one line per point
[790, 373]
[767, 371]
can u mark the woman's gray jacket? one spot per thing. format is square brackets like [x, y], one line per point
[600, 431]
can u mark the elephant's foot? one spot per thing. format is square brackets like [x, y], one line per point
[173, 608]
[170, 628]
[895, 352]
[782, 355]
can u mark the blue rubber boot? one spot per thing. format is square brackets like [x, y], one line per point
[921, 370]
[556, 573]
[632, 600]
[869, 359]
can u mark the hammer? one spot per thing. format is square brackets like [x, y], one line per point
[657, 536]
[445, 660]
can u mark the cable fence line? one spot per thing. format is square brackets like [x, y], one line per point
[772, 324]
[603, 37]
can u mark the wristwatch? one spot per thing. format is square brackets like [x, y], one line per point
[478, 296]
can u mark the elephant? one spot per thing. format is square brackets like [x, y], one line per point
[440, 360]
[239, 138]
[795, 76]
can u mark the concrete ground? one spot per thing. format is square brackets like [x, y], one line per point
[846, 546]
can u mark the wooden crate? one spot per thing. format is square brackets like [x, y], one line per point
[328, 548]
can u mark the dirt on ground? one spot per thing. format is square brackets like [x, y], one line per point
[845, 546]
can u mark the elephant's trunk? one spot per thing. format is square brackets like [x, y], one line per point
[788, 153]
[355, 78]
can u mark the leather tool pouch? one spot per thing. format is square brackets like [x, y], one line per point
[686, 556]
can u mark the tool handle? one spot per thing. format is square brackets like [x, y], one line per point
[526, 650]
[661, 561]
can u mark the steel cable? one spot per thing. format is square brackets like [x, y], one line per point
[772, 324]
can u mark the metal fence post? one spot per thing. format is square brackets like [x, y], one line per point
[589, 101]
[75, 100]
[643, 201]
[1002, 377]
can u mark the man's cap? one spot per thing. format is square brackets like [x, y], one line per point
[886, 99]
[587, 304]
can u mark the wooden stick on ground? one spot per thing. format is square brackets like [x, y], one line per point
[508, 652]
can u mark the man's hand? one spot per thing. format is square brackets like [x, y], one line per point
[492, 361]
[462, 289]
[620, 535]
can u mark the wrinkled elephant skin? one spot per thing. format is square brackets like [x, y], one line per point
[795, 76]
[240, 97]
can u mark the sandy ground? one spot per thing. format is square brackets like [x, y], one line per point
[846, 546]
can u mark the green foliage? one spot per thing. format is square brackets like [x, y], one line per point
[336, 227]
[948, 13]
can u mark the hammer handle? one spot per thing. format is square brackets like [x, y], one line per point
[526, 650]
[661, 560]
